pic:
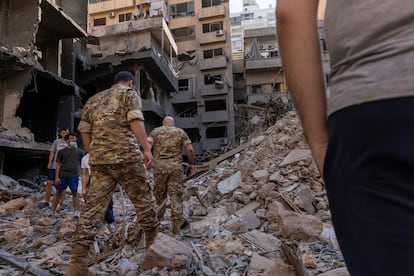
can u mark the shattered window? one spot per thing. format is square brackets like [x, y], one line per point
[256, 89]
[188, 55]
[216, 132]
[213, 53]
[210, 3]
[99, 21]
[182, 9]
[215, 105]
[125, 17]
[183, 85]
[212, 27]
[211, 79]
[184, 32]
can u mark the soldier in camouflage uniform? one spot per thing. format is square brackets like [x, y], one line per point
[110, 126]
[168, 142]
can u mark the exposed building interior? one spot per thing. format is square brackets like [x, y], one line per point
[36, 99]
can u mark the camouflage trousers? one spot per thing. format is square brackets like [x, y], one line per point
[168, 182]
[104, 178]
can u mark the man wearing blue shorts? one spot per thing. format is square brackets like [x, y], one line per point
[68, 162]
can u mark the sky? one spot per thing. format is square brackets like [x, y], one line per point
[236, 5]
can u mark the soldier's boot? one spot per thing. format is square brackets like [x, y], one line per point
[79, 261]
[176, 228]
[179, 225]
[150, 237]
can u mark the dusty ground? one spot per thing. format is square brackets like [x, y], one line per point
[265, 213]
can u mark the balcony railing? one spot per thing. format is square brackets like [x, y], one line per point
[211, 12]
[263, 63]
[213, 63]
[213, 37]
[211, 90]
[106, 6]
[215, 116]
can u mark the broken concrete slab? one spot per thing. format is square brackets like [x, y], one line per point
[252, 206]
[263, 241]
[300, 226]
[262, 266]
[229, 184]
[166, 252]
[295, 156]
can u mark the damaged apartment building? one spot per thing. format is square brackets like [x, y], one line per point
[259, 80]
[39, 72]
[180, 53]
[133, 36]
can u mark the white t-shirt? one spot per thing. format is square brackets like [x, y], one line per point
[85, 163]
[57, 145]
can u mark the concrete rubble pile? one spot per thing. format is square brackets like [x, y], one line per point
[263, 211]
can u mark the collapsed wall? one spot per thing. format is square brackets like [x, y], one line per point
[34, 100]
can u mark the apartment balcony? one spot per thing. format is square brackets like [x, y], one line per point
[187, 122]
[258, 98]
[153, 24]
[106, 6]
[212, 90]
[183, 96]
[151, 106]
[212, 12]
[213, 63]
[213, 37]
[215, 116]
[55, 22]
[263, 64]
[262, 32]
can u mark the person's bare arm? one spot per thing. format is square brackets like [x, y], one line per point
[85, 179]
[299, 48]
[190, 155]
[86, 139]
[51, 157]
[138, 128]
[57, 179]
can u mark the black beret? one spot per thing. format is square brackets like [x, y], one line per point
[123, 76]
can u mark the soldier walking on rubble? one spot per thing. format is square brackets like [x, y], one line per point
[168, 142]
[111, 124]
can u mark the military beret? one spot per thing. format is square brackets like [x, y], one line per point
[123, 76]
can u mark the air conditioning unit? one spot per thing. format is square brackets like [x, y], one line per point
[112, 14]
[200, 103]
[219, 84]
[219, 32]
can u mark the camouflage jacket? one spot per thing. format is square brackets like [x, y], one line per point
[168, 142]
[106, 117]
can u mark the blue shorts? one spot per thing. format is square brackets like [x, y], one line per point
[51, 175]
[72, 182]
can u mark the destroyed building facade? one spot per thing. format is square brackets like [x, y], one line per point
[133, 36]
[40, 51]
[258, 76]
[204, 102]
[181, 57]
